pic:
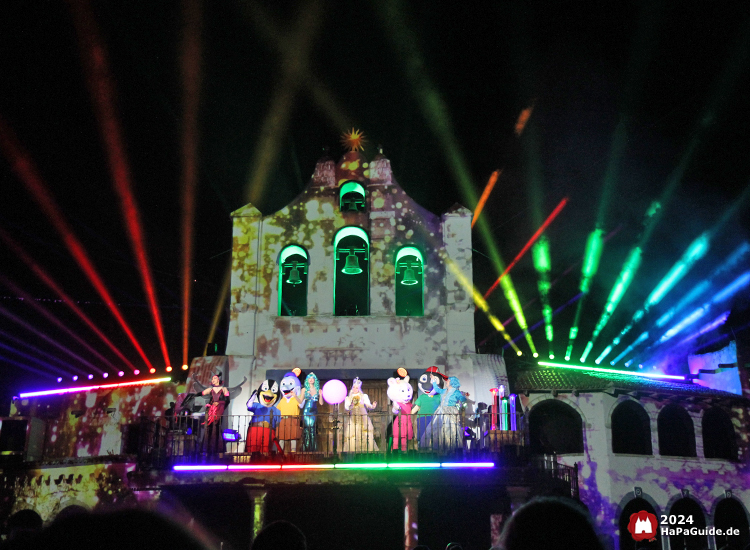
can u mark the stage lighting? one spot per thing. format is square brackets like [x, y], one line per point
[75, 378]
[184, 367]
[91, 376]
[121, 373]
[231, 435]
[152, 370]
[169, 368]
[136, 372]
[59, 379]
[105, 375]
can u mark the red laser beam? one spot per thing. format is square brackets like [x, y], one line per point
[29, 300]
[191, 77]
[485, 195]
[570, 268]
[50, 282]
[528, 245]
[102, 91]
[27, 173]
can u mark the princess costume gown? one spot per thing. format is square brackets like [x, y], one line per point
[359, 435]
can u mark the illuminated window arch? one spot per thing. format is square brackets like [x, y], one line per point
[676, 432]
[688, 507]
[730, 513]
[351, 272]
[409, 282]
[293, 264]
[352, 197]
[719, 439]
[626, 539]
[631, 429]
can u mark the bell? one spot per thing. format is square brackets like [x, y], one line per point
[409, 277]
[352, 265]
[294, 276]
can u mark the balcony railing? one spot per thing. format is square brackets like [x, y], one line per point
[335, 437]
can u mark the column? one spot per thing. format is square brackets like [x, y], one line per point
[258, 502]
[411, 528]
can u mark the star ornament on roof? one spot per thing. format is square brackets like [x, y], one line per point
[354, 140]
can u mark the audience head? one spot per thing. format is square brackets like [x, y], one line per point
[280, 534]
[548, 524]
[123, 530]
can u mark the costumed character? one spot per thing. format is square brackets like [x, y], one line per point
[426, 404]
[290, 402]
[218, 397]
[401, 392]
[312, 396]
[359, 435]
[264, 417]
[446, 423]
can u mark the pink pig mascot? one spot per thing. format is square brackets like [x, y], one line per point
[400, 393]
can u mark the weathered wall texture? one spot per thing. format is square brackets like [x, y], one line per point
[50, 490]
[607, 480]
[444, 336]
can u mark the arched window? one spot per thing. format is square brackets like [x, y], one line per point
[676, 432]
[687, 507]
[409, 282]
[351, 274]
[293, 263]
[626, 539]
[719, 439]
[555, 427]
[352, 197]
[730, 513]
[631, 429]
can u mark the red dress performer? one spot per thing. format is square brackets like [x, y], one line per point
[218, 397]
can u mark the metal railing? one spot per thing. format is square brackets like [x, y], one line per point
[333, 437]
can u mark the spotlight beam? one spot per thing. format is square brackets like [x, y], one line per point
[319, 92]
[41, 352]
[102, 90]
[4, 312]
[28, 357]
[190, 65]
[25, 367]
[294, 67]
[22, 165]
[528, 245]
[66, 299]
[435, 113]
[29, 300]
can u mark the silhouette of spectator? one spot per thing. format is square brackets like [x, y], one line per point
[280, 534]
[22, 527]
[124, 530]
[550, 524]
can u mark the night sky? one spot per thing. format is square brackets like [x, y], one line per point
[665, 78]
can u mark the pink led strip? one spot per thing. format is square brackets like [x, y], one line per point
[90, 388]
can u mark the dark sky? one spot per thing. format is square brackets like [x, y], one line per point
[668, 73]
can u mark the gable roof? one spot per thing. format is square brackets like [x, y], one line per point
[549, 379]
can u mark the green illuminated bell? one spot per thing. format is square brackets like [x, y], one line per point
[352, 265]
[294, 276]
[409, 278]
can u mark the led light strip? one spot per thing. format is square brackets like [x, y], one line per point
[90, 388]
[612, 371]
[348, 466]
